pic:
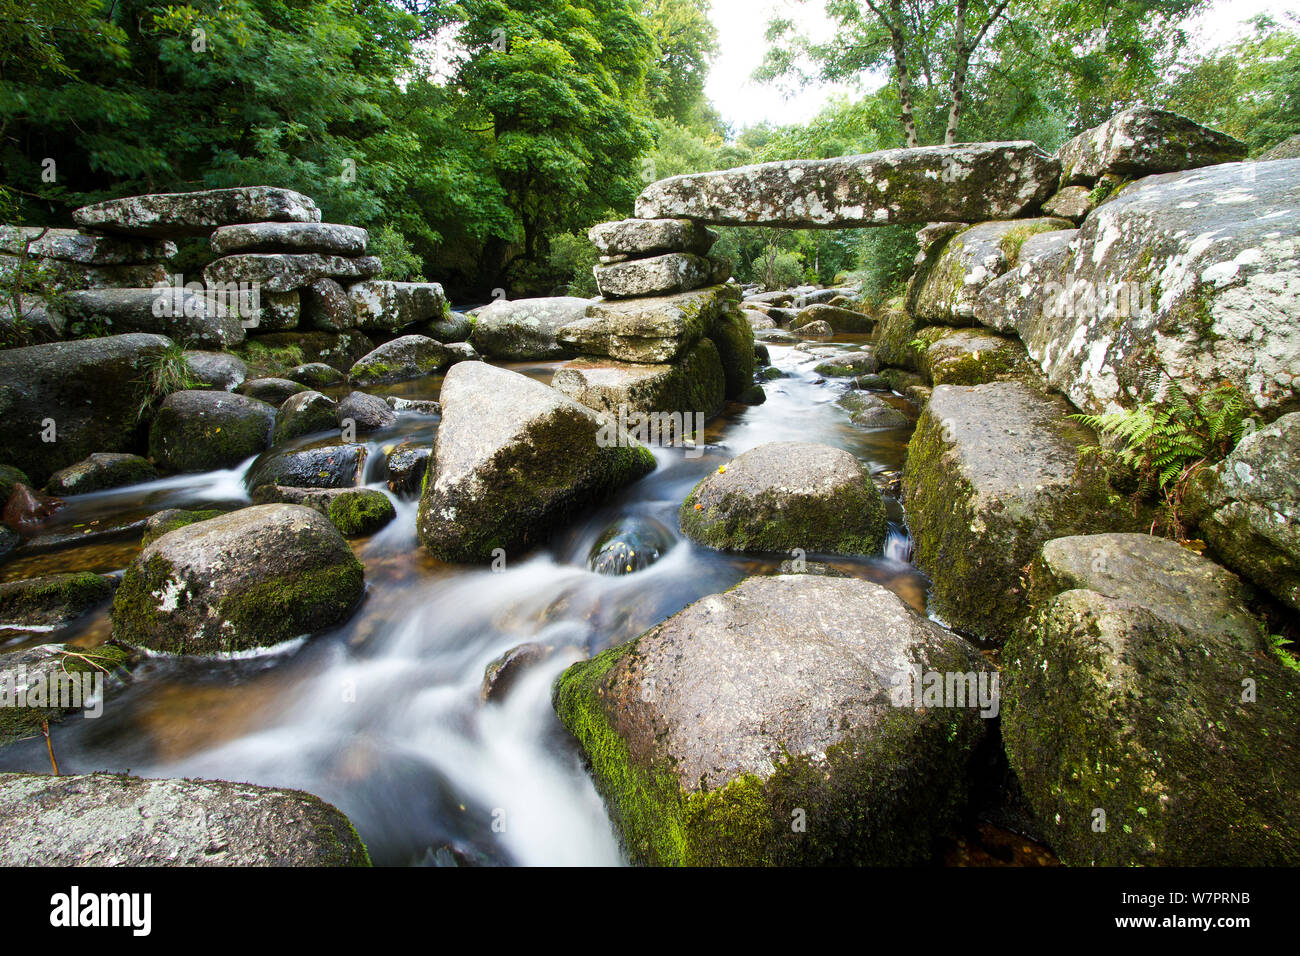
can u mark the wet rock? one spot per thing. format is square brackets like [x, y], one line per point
[380, 305]
[303, 414]
[204, 431]
[355, 512]
[993, 472]
[659, 275]
[26, 512]
[645, 237]
[973, 357]
[818, 568]
[86, 394]
[696, 383]
[872, 411]
[972, 182]
[162, 522]
[948, 282]
[735, 341]
[513, 459]
[369, 413]
[848, 365]
[218, 370]
[116, 820]
[250, 578]
[840, 320]
[53, 598]
[329, 466]
[326, 306]
[408, 357]
[273, 391]
[1248, 508]
[629, 545]
[775, 336]
[651, 330]
[1141, 141]
[101, 470]
[315, 375]
[407, 465]
[526, 329]
[1186, 276]
[9, 541]
[787, 495]
[179, 314]
[325, 237]
[53, 678]
[84, 248]
[873, 382]
[177, 215]
[709, 733]
[758, 320]
[284, 272]
[1185, 741]
[501, 675]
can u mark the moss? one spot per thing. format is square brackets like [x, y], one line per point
[18, 723]
[894, 335]
[360, 512]
[52, 598]
[735, 343]
[10, 476]
[175, 519]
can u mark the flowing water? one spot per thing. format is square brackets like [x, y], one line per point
[383, 717]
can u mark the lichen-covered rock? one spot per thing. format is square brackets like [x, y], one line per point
[758, 320]
[83, 248]
[1140, 741]
[1141, 141]
[55, 275]
[99, 471]
[973, 357]
[840, 320]
[849, 365]
[177, 215]
[219, 370]
[695, 383]
[180, 314]
[327, 466]
[326, 237]
[53, 679]
[947, 284]
[380, 305]
[786, 495]
[250, 578]
[735, 342]
[325, 306]
[659, 275]
[872, 411]
[1001, 302]
[992, 472]
[273, 391]
[766, 726]
[407, 465]
[116, 820]
[646, 237]
[651, 330]
[161, 522]
[314, 375]
[1188, 277]
[354, 511]
[204, 431]
[1248, 508]
[526, 329]
[273, 312]
[284, 271]
[87, 394]
[972, 182]
[368, 413]
[408, 357]
[302, 414]
[53, 598]
[513, 460]
[1072, 202]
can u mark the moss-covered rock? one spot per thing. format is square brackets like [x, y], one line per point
[360, 512]
[247, 579]
[786, 495]
[303, 414]
[10, 476]
[840, 320]
[974, 357]
[204, 431]
[162, 522]
[849, 365]
[53, 598]
[513, 460]
[52, 684]
[695, 383]
[273, 391]
[324, 466]
[408, 357]
[872, 411]
[314, 375]
[992, 472]
[1140, 742]
[734, 337]
[707, 754]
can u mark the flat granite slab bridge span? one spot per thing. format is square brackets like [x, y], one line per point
[972, 182]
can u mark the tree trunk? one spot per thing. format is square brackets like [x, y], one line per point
[961, 64]
[898, 39]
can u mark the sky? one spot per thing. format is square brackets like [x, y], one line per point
[742, 23]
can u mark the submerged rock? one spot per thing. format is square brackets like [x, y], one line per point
[631, 544]
[204, 431]
[512, 460]
[787, 495]
[501, 675]
[101, 470]
[327, 466]
[117, 820]
[250, 578]
[768, 725]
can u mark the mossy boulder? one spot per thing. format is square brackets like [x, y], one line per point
[101, 470]
[993, 472]
[219, 370]
[50, 676]
[840, 320]
[407, 464]
[769, 726]
[323, 466]
[849, 364]
[734, 338]
[1139, 741]
[514, 460]
[872, 411]
[273, 391]
[303, 414]
[315, 375]
[694, 383]
[405, 358]
[53, 598]
[251, 578]
[787, 495]
[974, 357]
[342, 350]
[162, 522]
[204, 431]
[10, 476]
[650, 330]
[1248, 508]
[354, 511]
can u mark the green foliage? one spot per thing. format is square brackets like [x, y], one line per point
[1284, 651]
[401, 264]
[573, 256]
[164, 373]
